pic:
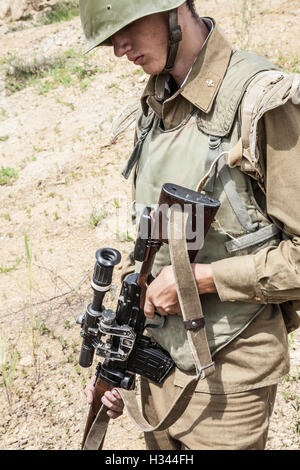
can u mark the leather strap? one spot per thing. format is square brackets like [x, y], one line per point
[95, 438]
[188, 295]
[175, 37]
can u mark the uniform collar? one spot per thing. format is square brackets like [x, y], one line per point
[204, 79]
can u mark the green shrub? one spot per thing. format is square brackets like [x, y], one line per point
[8, 176]
[63, 11]
[48, 72]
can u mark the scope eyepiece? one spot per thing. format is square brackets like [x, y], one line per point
[106, 260]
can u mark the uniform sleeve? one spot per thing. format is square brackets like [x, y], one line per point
[272, 275]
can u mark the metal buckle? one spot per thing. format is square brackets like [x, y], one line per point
[203, 368]
[176, 35]
[214, 142]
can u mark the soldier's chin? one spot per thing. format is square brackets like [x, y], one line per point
[151, 68]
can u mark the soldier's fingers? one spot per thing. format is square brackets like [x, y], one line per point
[90, 385]
[114, 414]
[118, 407]
[114, 397]
[148, 308]
[116, 393]
[89, 395]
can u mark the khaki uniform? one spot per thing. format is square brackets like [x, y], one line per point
[251, 364]
[237, 421]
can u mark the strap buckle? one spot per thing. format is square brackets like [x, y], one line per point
[214, 142]
[194, 324]
[211, 364]
[175, 35]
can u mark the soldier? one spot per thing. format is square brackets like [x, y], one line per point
[248, 271]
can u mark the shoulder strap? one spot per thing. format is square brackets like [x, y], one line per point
[267, 91]
[144, 126]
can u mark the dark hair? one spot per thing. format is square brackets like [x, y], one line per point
[192, 8]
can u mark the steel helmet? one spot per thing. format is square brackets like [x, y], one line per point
[102, 18]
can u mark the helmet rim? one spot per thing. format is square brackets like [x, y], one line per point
[95, 15]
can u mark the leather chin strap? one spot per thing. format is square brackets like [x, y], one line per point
[175, 36]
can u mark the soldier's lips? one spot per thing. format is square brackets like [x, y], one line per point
[139, 60]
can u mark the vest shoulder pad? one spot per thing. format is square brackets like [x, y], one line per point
[243, 67]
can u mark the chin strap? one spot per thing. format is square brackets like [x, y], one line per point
[175, 36]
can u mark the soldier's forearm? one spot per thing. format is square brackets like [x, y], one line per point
[204, 278]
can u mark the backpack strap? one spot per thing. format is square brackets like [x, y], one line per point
[216, 159]
[234, 199]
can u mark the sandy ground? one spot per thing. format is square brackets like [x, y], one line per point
[56, 135]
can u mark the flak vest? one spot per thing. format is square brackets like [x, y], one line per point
[183, 155]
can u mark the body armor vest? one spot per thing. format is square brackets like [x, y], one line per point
[182, 156]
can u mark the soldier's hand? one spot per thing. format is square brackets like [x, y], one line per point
[112, 400]
[161, 295]
[89, 390]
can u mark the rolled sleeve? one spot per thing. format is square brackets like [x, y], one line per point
[236, 280]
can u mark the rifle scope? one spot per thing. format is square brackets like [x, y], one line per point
[106, 260]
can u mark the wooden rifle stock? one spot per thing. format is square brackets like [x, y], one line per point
[100, 388]
[171, 195]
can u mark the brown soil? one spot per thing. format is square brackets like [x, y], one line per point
[69, 170]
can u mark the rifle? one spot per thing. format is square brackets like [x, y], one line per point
[127, 351]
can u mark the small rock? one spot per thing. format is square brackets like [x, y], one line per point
[25, 361]
[4, 8]
[18, 8]
[11, 441]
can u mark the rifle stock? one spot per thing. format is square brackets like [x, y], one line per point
[172, 194]
[100, 388]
